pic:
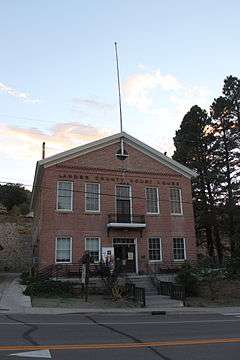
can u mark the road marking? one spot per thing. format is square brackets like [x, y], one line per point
[106, 346]
[125, 323]
[39, 354]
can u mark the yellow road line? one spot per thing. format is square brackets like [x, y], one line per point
[120, 345]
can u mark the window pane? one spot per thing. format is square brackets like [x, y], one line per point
[92, 197]
[65, 193]
[63, 250]
[92, 245]
[154, 249]
[152, 200]
[178, 249]
[123, 192]
[175, 198]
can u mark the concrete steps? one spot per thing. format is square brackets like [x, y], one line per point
[153, 300]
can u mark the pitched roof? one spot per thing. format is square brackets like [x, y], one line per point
[98, 144]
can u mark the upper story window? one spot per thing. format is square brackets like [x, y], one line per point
[92, 197]
[176, 201]
[179, 249]
[63, 250]
[65, 195]
[154, 249]
[92, 245]
[152, 197]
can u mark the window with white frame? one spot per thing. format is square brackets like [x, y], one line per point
[92, 197]
[179, 249]
[176, 201]
[152, 198]
[154, 249]
[65, 195]
[92, 245]
[63, 249]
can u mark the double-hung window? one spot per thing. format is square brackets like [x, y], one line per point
[65, 195]
[152, 197]
[176, 201]
[92, 197]
[179, 249]
[154, 249]
[92, 245]
[63, 250]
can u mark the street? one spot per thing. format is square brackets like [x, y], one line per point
[142, 336]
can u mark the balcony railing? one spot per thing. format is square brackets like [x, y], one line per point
[126, 218]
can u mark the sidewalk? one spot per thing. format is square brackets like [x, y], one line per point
[12, 300]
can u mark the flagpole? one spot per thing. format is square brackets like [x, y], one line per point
[119, 89]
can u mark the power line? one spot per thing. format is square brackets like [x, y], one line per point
[87, 192]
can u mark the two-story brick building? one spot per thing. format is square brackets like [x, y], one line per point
[115, 194]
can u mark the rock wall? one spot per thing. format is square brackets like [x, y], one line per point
[16, 241]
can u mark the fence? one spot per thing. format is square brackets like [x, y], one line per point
[136, 293]
[175, 291]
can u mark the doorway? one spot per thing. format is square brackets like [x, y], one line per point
[123, 203]
[125, 254]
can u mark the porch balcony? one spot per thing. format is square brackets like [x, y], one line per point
[126, 221]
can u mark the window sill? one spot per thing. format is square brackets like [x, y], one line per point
[173, 214]
[64, 211]
[89, 212]
[154, 261]
[152, 214]
[63, 263]
[179, 261]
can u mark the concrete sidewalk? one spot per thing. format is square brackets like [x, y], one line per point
[12, 300]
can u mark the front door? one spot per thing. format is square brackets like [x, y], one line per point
[124, 254]
[123, 203]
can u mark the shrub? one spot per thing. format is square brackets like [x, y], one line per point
[188, 279]
[49, 288]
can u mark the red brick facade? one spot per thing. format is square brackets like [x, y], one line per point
[101, 166]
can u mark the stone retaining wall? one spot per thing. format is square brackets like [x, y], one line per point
[16, 240]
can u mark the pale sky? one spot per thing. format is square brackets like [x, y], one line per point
[58, 74]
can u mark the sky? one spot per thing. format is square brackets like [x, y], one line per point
[58, 79]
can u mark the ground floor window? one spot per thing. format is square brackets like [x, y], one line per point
[154, 249]
[63, 249]
[92, 245]
[179, 249]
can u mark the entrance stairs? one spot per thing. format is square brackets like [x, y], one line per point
[153, 300]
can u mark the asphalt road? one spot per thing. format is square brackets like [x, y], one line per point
[107, 337]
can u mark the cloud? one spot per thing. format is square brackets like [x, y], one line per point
[144, 90]
[24, 97]
[91, 103]
[19, 143]
[139, 87]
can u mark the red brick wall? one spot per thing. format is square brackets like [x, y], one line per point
[102, 166]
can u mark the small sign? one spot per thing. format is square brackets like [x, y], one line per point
[130, 256]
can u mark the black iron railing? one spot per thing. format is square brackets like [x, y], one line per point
[175, 291]
[126, 218]
[59, 271]
[137, 294]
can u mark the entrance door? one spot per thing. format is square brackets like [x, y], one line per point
[124, 254]
[123, 203]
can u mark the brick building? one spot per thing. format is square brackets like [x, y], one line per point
[115, 195]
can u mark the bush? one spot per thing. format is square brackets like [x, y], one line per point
[26, 278]
[49, 288]
[188, 279]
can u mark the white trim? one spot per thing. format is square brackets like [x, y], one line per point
[180, 196]
[185, 251]
[99, 245]
[60, 237]
[65, 210]
[135, 246]
[130, 198]
[125, 225]
[161, 254]
[158, 206]
[99, 144]
[99, 201]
